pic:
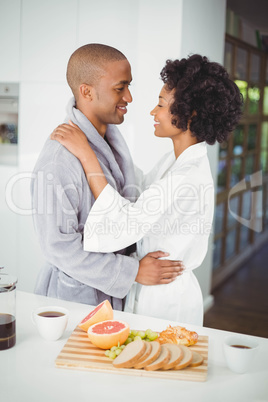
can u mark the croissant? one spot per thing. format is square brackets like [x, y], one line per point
[178, 335]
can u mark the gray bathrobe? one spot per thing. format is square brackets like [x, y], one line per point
[61, 201]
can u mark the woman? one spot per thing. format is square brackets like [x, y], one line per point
[198, 105]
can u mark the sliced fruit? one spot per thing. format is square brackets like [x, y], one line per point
[108, 333]
[102, 312]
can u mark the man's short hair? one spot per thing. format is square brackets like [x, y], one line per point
[87, 64]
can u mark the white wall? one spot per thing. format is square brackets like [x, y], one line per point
[10, 39]
[9, 71]
[35, 54]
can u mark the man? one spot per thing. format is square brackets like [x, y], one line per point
[99, 77]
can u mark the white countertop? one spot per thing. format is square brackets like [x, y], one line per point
[28, 372]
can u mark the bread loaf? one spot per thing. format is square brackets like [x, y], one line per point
[178, 335]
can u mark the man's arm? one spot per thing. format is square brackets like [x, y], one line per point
[56, 221]
[58, 204]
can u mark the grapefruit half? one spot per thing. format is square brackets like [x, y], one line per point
[107, 334]
[102, 312]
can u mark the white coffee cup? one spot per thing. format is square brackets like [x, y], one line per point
[239, 351]
[51, 321]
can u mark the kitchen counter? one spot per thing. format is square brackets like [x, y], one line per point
[28, 372]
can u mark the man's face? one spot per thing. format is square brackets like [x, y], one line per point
[111, 95]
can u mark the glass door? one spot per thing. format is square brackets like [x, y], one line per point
[9, 99]
[240, 216]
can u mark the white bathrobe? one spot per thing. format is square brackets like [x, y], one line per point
[174, 214]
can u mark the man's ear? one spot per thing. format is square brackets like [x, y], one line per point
[86, 91]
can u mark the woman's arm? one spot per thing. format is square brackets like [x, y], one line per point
[76, 142]
[72, 138]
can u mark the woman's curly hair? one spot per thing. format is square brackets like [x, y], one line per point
[205, 96]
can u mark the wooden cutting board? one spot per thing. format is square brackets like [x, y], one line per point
[79, 353]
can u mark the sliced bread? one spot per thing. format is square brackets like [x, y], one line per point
[155, 352]
[176, 355]
[162, 359]
[187, 358]
[146, 353]
[197, 359]
[130, 354]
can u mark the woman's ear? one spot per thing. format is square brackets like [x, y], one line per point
[190, 120]
[86, 91]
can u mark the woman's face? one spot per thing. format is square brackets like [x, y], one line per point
[163, 117]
